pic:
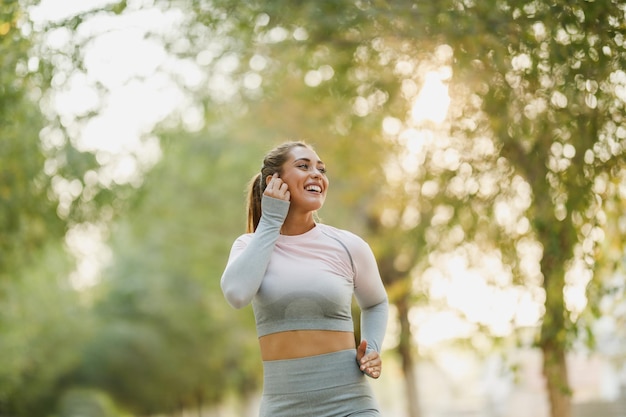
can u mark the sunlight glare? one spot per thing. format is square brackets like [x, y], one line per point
[577, 278]
[53, 11]
[433, 100]
[435, 327]
[86, 242]
[479, 293]
[391, 126]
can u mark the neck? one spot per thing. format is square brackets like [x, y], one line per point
[297, 225]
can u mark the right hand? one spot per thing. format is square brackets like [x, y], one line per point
[276, 188]
[369, 363]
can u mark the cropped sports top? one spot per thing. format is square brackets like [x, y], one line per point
[305, 282]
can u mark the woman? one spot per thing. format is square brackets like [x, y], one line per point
[300, 277]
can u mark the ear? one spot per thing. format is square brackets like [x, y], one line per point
[268, 179]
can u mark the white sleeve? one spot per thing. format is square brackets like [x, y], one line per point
[370, 295]
[249, 256]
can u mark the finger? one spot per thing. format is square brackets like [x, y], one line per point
[370, 364]
[365, 358]
[283, 191]
[271, 180]
[273, 184]
[276, 188]
[373, 373]
[360, 351]
[373, 370]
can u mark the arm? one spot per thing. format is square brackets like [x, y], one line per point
[371, 296]
[374, 325]
[247, 263]
[372, 299]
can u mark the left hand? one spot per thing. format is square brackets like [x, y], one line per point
[370, 364]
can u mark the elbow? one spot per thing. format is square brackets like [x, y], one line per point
[237, 294]
[235, 299]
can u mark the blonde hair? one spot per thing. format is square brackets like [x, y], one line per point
[272, 163]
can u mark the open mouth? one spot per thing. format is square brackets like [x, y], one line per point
[313, 188]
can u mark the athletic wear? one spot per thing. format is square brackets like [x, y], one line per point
[305, 282]
[328, 385]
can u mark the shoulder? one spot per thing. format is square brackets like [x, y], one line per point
[351, 240]
[361, 255]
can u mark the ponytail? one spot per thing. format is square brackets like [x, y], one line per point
[255, 193]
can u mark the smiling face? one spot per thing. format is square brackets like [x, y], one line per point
[305, 175]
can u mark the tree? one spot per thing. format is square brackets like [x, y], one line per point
[166, 331]
[27, 216]
[31, 233]
[44, 192]
[553, 106]
[535, 129]
[543, 86]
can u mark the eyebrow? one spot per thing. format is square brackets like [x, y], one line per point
[308, 160]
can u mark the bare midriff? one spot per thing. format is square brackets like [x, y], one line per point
[302, 343]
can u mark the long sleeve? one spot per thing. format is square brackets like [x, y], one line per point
[371, 296]
[374, 325]
[250, 254]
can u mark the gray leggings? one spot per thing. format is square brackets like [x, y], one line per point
[329, 385]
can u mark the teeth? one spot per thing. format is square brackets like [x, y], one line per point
[315, 188]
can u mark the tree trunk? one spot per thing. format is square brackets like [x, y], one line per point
[557, 385]
[406, 357]
[554, 328]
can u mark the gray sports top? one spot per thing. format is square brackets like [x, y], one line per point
[305, 282]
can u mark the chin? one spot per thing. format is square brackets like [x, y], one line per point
[315, 207]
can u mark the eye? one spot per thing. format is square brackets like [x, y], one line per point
[322, 170]
[304, 166]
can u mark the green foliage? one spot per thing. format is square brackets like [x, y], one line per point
[44, 325]
[534, 126]
[38, 312]
[538, 89]
[549, 94]
[87, 402]
[163, 319]
[30, 209]
[27, 216]
[43, 321]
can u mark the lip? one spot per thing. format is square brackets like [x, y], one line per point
[314, 184]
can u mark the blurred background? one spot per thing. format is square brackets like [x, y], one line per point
[478, 146]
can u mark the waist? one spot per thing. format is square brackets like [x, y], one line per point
[313, 373]
[295, 344]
